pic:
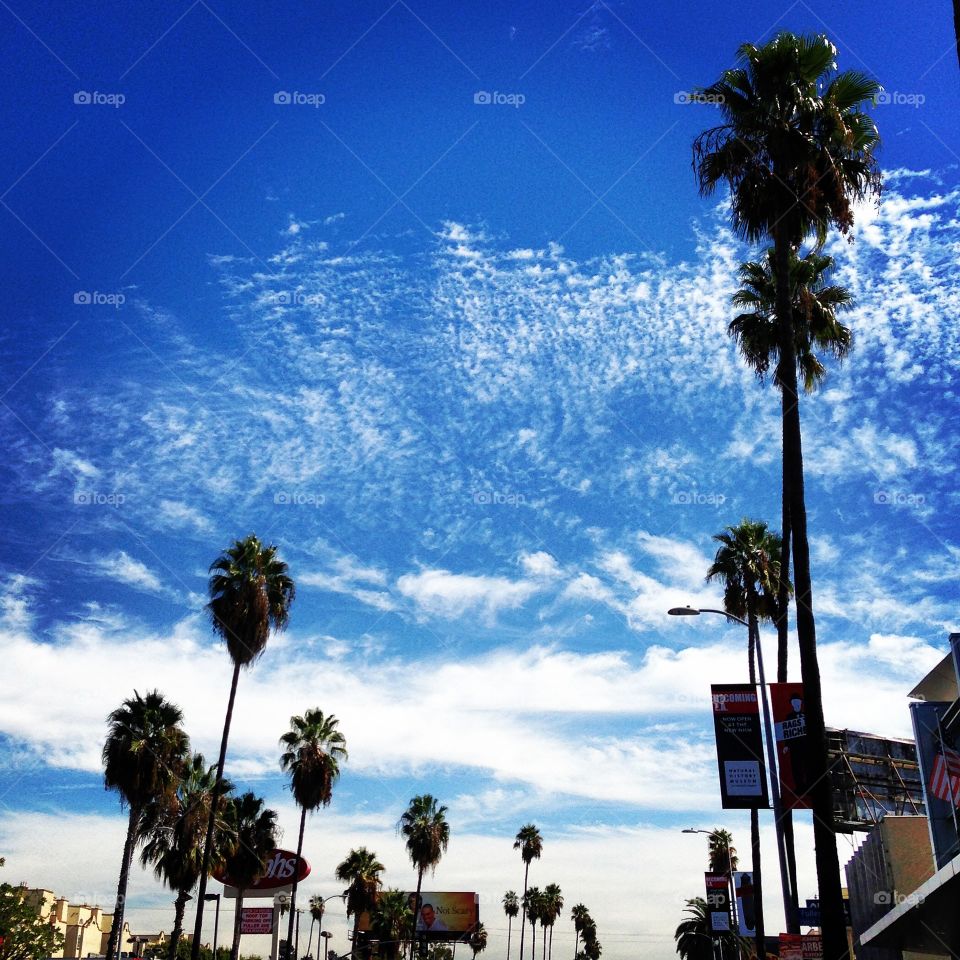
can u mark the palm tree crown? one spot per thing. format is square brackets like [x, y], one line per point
[721, 852]
[390, 920]
[250, 593]
[815, 305]
[795, 145]
[361, 870]
[427, 833]
[529, 842]
[314, 750]
[748, 565]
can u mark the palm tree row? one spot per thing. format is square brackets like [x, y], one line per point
[796, 147]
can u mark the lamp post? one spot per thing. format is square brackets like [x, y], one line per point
[771, 754]
[326, 934]
[216, 920]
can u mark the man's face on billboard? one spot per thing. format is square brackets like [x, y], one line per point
[428, 915]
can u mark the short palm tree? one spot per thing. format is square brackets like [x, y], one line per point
[361, 870]
[317, 906]
[580, 916]
[253, 829]
[533, 907]
[721, 853]
[314, 749]
[144, 757]
[478, 940]
[511, 907]
[796, 146]
[552, 908]
[426, 831]
[250, 595]
[390, 920]
[591, 945]
[695, 940]
[173, 829]
[530, 844]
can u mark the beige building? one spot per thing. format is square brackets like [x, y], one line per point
[85, 928]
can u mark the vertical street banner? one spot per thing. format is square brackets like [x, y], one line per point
[746, 905]
[718, 901]
[793, 746]
[736, 723]
[940, 770]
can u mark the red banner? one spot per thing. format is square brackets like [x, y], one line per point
[793, 746]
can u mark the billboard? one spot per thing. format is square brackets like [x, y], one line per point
[278, 872]
[791, 946]
[746, 904]
[736, 722]
[440, 915]
[793, 749]
[256, 920]
[718, 901]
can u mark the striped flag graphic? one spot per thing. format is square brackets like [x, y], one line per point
[945, 778]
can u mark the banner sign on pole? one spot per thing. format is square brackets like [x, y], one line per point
[939, 769]
[718, 901]
[736, 722]
[793, 746]
[746, 905]
[791, 946]
[256, 920]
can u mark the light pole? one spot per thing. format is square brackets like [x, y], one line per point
[216, 920]
[771, 754]
[326, 934]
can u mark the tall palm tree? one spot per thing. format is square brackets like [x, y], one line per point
[144, 757]
[748, 565]
[552, 908]
[427, 833]
[478, 939]
[173, 830]
[511, 907]
[314, 749]
[250, 595]
[361, 870]
[797, 149]
[254, 835]
[580, 916]
[530, 844]
[815, 305]
[317, 906]
[390, 920]
[591, 945]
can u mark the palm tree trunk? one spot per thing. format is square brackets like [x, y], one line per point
[293, 892]
[237, 922]
[178, 908]
[753, 629]
[550, 951]
[783, 642]
[416, 908]
[576, 943]
[833, 924]
[214, 807]
[510, 919]
[354, 950]
[116, 927]
[533, 939]
[523, 907]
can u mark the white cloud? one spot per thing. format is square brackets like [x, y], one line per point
[123, 568]
[445, 594]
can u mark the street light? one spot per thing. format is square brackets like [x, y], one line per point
[771, 754]
[216, 921]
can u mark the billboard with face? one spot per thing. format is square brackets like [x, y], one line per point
[441, 915]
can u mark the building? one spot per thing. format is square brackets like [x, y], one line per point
[908, 890]
[85, 928]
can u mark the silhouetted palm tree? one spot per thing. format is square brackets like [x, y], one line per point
[530, 844]
[390, 920]
[361, 870]
[424, 827]
[314, 749]
[511, 907]
[250, 595]
[580, 916]
[144, 757]
[478, 940]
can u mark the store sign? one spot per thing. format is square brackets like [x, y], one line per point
[736, 722]
[278, 871]
[256, 920]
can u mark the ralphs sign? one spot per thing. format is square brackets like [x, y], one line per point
[279, 870]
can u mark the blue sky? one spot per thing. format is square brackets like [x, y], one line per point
[466, 364]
